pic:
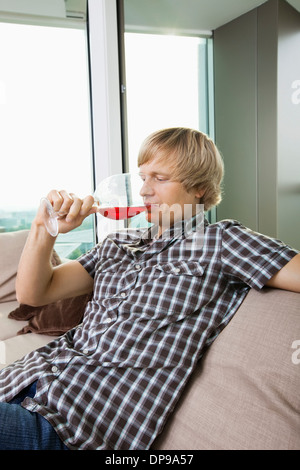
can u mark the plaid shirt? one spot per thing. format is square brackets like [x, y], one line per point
[111, 382]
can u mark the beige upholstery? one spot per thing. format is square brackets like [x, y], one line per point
[11, 246]
[245, 392]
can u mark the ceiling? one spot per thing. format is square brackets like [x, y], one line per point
[197, 15]
[173, 15]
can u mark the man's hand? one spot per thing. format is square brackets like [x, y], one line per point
[72, 210]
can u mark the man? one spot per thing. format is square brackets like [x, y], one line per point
[159, 300]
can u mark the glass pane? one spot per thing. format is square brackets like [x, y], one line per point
[169, 83]
[166, 83]
[45, 124]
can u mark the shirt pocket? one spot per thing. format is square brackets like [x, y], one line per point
[183, 268]
[178, 288]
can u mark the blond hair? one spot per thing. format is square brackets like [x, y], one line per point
[193, 157]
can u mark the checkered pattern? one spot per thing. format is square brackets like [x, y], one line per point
[111, 382]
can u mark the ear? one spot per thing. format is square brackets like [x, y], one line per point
[200, 193]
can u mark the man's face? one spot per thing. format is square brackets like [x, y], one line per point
[167, 199]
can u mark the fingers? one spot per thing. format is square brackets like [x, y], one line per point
[87, 206]
[60, 200]
[69, 206]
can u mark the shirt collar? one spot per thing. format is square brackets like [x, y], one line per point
[148, 238]
[181, 229]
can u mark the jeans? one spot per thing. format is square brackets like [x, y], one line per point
[21, 429]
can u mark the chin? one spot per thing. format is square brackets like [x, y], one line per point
[152, 214]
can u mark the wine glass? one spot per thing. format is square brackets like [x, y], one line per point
[116, 197]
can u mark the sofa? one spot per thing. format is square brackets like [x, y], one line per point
[244, 393]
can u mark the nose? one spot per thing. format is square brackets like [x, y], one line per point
[146, 189]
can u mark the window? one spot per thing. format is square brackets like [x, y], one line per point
[45, 124]
[168, 84]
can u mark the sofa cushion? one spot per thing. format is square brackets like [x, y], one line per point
[244, 393]
[17, 347]
[53, 319]
[9, 327]
[11, 247]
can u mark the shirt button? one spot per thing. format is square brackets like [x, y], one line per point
[54, 369]
[177, 270]
[137, 266]
[85, 351]
[108, 320]
[123, 294]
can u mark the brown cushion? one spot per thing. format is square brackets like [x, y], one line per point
[53, 319]
[245, 392]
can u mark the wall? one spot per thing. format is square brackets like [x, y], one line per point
[258, 117]
[289, 126]
[235, 46]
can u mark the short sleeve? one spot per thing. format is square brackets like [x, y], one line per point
[90, 260]
[251, 256]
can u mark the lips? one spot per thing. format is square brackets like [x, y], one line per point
[151, 207]
[151, 204]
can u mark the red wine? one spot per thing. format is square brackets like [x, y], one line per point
[118, 213]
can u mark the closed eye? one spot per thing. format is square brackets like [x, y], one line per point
[161, 178]
[155, 177]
